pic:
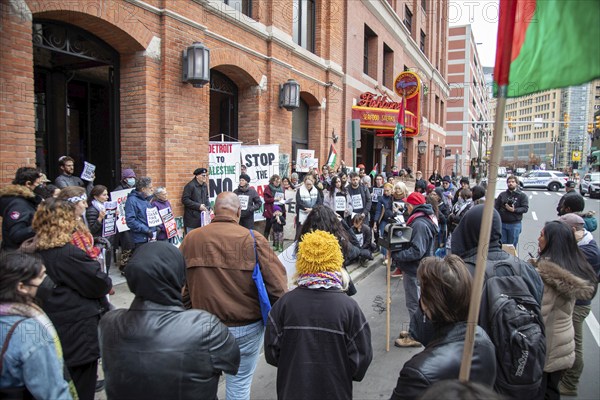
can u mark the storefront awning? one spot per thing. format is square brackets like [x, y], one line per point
[384, 119]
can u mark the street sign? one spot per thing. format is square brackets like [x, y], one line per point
[576, 156]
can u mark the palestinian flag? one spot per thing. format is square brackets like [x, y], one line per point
[400, 124]
[332, 157]
[374, 171]
[546, 44]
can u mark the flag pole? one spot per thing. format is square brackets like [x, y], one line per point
[506, 26]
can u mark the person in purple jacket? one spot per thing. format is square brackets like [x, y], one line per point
[161, 201]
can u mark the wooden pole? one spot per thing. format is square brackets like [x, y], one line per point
[484, 237]
[388, 300]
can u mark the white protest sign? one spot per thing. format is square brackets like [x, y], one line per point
[357, 202]
[244, 201]
[166, 215]
[223, 167]
[340, 203]
[120, 197]
[153, 217]
[302, 157]
[109, 223]
[88, 171]
[377, 193]
[261, 163]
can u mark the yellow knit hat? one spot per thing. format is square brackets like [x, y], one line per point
[319, 251]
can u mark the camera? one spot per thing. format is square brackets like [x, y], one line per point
[395, 237]
[511, 201]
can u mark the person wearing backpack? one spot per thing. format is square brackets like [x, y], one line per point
[445, 297]
[519, 363]
[567, 276]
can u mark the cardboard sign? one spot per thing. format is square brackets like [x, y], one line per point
[120, 197]
[109, 223]
[153, 217]
[168, 219]
[88, 171]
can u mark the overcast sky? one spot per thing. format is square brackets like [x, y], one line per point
[483, 16]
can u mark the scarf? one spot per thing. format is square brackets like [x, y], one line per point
[47, 331]
[85, 242]
[309, 198]
[98, 206]
[320, 280]
[275, 189]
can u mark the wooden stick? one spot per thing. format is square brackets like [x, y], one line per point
[484, 239]
[388, 302]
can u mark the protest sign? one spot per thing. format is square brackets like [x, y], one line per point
[120, 196]
[153, 217]
[109, 223]
[168, 220]
[88, 171]
[302, 157]
[223, 167]
[340, 203]
[177, 239]
[261, 163]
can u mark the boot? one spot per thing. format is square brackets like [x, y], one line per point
[275, 245]
[280, 246]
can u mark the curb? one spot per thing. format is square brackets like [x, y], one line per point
[358, 273]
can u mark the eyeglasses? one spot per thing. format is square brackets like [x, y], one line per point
[204, 175]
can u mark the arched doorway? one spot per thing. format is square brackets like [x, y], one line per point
[76, 100]
[300, 128]
[223, 107]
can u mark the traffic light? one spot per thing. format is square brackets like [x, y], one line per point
[511, 125]
[566, 118]
[597, 121]
[590, 128]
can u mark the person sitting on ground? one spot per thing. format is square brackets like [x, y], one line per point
[318, 357]
[32, 362]
[445, 297]
[363, 236]
[162, 346]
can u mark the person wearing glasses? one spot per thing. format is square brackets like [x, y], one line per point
[195, 199]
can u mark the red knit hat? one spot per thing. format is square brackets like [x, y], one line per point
[415, 198]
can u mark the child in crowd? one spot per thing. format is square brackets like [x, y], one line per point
[278, 222]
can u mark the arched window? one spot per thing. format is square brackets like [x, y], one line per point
[223, 107]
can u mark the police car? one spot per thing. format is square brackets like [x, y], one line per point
[551, 180]
[590, 184]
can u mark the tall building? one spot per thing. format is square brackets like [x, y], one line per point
[147, 84]
[467, 135]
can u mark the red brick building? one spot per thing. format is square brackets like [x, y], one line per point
[101, 80]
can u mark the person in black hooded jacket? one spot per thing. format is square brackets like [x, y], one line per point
[157, 348]
[250, 201]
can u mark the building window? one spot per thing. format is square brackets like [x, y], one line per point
[408, 18]
[422, 44]
[388, 66]
[437, 109]
[370, 53]
[303, 29]
[424, 5]
[243, 6]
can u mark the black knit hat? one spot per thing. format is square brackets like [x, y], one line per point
[245, 177]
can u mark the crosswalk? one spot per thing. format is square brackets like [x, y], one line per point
[559, 194]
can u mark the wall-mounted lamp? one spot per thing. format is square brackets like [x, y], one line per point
[289, 95]
[333, 137]
[422, 147]
[196, 65]
[437, 150]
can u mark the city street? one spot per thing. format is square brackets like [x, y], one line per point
[383, 372]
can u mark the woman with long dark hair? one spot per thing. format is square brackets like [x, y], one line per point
[337, 198]
[32, 363]
[567, 276]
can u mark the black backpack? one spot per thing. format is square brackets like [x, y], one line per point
[513, 320]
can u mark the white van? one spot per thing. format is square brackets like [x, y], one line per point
[502, 172]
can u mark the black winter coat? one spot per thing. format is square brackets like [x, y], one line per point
[17, 207]
[521, 204]
[75, 305]
[254, 203]
[441, 360]
[193, 196]
[320, 342]
[157, 349]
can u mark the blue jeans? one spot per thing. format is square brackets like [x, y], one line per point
[249, 338]
[510, 233]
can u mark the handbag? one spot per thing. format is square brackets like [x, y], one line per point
[263, 295]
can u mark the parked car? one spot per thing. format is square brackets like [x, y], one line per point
[551, 180]
[590, 184]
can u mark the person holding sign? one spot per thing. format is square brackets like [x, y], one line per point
[67, 166]
[361, 198]
[161, 202]
[307, 196]
[195, 199]
[136, 212]
[249, 201]
[337, 198]
[273, 195]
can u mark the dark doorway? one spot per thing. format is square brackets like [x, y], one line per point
[76, 100]
[299, 130]
[223, 107]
